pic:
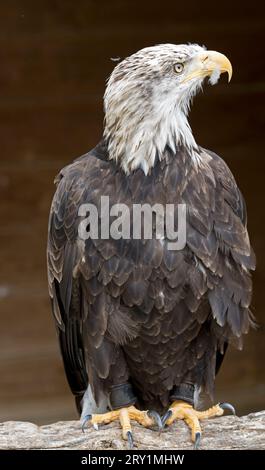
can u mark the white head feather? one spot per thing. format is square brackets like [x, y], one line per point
[146, 105]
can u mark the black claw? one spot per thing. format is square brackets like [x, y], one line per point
[165, 417]
[156, 417]
[197, 440]
[85, 421]
[130, 439]
[227, 406]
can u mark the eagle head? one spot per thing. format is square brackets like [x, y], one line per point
[147, 100]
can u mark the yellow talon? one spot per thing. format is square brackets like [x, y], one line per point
[192, 417]
[125, 415]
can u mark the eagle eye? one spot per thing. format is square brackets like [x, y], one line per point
[178, 67]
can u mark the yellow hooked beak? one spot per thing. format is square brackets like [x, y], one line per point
[206, 62]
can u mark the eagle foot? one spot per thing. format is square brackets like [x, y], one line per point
[125, 415]
[192, 417]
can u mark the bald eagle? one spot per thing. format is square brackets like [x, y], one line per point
[143, 327]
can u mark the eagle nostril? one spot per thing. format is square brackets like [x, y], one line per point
[205, 58]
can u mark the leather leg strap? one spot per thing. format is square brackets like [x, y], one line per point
[121, 396]
[183, 392]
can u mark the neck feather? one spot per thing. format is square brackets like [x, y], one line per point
[137, 139]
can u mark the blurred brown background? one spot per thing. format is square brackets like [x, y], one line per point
[55, 58]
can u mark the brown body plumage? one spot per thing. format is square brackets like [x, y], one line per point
[132, 310]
